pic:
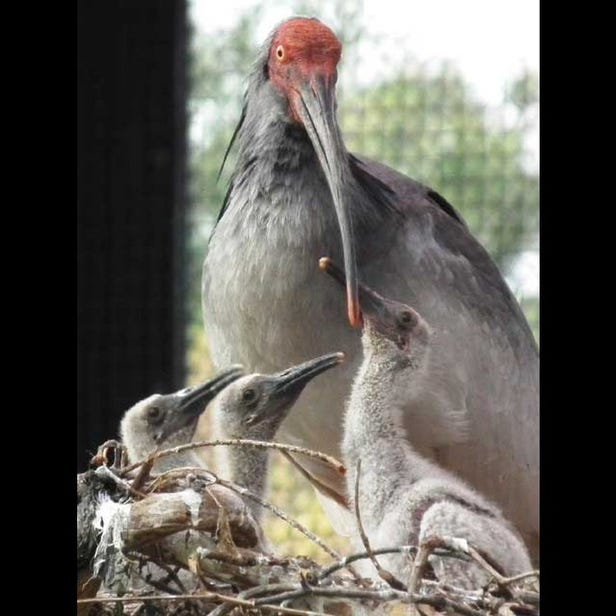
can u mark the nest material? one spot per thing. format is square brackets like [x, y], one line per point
[184, 542]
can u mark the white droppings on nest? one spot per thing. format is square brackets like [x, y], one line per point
[111, 519]
[457, 543]
[193, 502]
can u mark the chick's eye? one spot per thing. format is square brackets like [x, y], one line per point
[280, 52]
[155, 415]
[249, 395]
[405, 318]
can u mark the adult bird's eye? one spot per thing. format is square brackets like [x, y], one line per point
[280, 52]
[249, 395]
[155, 415]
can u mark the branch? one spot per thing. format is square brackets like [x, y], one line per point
[329, 460]
[280, 513]
[385, 575]
[201, 596]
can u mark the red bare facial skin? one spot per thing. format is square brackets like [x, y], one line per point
[302, 50]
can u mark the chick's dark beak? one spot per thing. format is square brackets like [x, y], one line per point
[190, 403]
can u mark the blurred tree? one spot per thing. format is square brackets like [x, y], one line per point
[429, 127]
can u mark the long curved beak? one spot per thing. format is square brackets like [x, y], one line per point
[191, 402]
[315, 105]
[371, 302]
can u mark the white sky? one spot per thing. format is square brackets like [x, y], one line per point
[490, 41]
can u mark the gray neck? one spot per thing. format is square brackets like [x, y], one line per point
[185, 458]
[248, 466]
[374, 433]
[277, 168]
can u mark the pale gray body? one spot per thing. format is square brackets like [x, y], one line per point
[267, 306]
[247, 466]
[404, 498]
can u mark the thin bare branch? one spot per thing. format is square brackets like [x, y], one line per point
[385, 575]
[204, 595]
[281, 514]
[329, 460]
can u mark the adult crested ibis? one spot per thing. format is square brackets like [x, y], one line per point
[297, 194]
[405, 499]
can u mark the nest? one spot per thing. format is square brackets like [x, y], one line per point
[185, 542]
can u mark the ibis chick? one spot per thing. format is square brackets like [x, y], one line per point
[254, 407]
[404, 498]
[170, 419]
[248, 407]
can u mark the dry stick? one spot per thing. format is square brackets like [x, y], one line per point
[279, 512]
[403, 549]
[343, 563]
[419, 562]
[519, 577]
[428, 547]
[335, 464]
[105, 472]
[385, 575]
[437, 601]
[201, 597]
[213, 479]
[502, 581]
[225, 608]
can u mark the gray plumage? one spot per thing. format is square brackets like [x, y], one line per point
[247, 406]
[266, 306]
[403, 497]
[165, 421]
[254, 407]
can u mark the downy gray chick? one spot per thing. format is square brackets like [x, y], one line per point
[404, 498]
[254, 407]
[164, 421]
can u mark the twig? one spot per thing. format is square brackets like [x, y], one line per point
[343, 563]
[201, 597]
[517, 578]
[225, 608]
[104, 472]
[331, 461]
[437, 601]
[403, 549]
[419, 562]
[280, 513]
[212, 478]
[385, 575]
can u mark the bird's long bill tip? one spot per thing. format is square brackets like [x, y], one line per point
[353, 309]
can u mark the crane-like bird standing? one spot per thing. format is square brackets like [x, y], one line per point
[297, 194]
